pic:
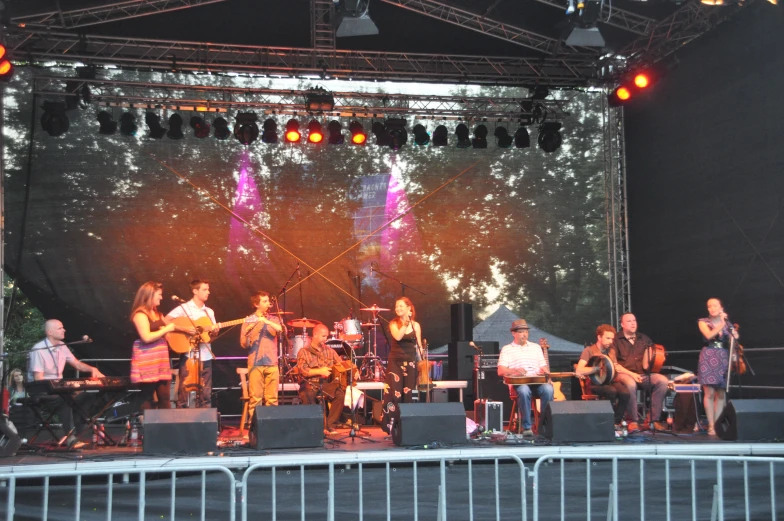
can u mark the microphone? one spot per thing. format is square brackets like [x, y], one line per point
[273, 298]
[87, 340]
[175, 298]
[474, 346]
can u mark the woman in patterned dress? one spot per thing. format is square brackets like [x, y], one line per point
[401, 377]
[714, 360]
[150, 367]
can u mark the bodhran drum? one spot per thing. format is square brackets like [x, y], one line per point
[605, 373]
[297, 343]
[351, 330]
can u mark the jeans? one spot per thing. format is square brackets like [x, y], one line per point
[543, 391]
[659, 384]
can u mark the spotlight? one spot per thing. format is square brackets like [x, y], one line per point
[128, 124]
[712, 2]
[154, 123]
[315, 134]
[642, 80]
[6, 67]
[55, 121]
[582, 30]
[353, 19]
[462, 136]
[269, 133]
[358, 136]
[221, 129]
[396, 128]
[319, 100]
[108, 125]
[440, 136]
[175, 127]
[381, 133]
[619, 96]
[335, 130]
[549, 137]
[201, 128]
[421, 137]
[245, 128]
[480, 137]
[503, 139]
[521, 139]
[292, 131]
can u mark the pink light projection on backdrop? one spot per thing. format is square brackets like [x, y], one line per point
[402, 236]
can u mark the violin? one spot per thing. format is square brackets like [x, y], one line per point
[738, 362]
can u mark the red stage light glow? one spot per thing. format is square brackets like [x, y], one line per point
[623, 93]
[358, 139]
[642, 80]
[292, 136]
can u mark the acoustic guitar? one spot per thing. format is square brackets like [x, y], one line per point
[558, 394]
[181, 343]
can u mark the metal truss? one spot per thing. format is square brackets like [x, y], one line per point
[322, 30]
[147, 54]
[481, 24]
[200, 98]
[616, 212]
[105, 13]
[692, 20]
[615, 17]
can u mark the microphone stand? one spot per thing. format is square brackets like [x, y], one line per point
[648, 396]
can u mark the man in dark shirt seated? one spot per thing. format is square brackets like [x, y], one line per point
[614, 391]
[632, 349]
[314, 364]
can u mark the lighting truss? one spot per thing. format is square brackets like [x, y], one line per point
[322, 32]
[482, 24]
[148, 54]
[201, 98]
[612, 15]
[99, 14]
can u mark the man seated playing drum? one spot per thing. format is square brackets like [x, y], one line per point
[614, 390]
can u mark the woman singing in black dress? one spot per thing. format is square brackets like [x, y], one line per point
[401, 369]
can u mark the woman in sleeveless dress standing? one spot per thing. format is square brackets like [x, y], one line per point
[714, 360]
[401, 376]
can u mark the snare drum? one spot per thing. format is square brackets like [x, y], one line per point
[351, 330]
[297, 343]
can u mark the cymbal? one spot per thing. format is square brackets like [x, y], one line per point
[374, 309]
[303, 322]
[281, 312]
[368, 324]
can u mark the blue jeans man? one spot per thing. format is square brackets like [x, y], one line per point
[524, 393]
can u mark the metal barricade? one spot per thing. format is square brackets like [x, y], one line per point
[662, 487]
[82, 494]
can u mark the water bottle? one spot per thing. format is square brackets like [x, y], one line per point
[101, 435]
[127, 435]
[95, 436]
[669, 420]
[134, 436]
[624, 429]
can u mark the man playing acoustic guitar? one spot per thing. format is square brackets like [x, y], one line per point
[314, 363]
[195, 309]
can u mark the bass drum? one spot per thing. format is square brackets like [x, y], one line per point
[351, 330]
[297, 343]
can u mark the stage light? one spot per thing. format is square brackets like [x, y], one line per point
[154, 123]
[246, 130]
[221, 129]
[503, 139]
[54, 120]
[201, 128]
[269, 132]
[175, 127]
[461, 131]
[353, 19]
[358, 136]
[108, 125]
[292, 131]
[6, 67]
[421, 137]
[315, 134]
[480, 137]
[642, 80]
[128, 124]
[712, 2]
[319, 100]
[549, 137]
[620, 96]
[381, 133]
[335, 130]
[582, 30]
[440, 136]
[396, 128]
[521, 138]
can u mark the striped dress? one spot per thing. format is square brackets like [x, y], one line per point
[150, 362]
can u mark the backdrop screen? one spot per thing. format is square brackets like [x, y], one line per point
[91, 217]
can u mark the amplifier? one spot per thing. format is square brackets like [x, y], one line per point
[488, 361]
[490, 415]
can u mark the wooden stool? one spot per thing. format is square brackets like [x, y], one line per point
[515, 422]
[245, 419]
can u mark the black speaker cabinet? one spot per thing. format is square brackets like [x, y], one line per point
[744, 420]
[178, 431]
[461, 358]
[9, 438]
[462, 322]
[578, 421]
[288, 427]
[423, 423]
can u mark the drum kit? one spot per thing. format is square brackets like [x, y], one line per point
[347, 337]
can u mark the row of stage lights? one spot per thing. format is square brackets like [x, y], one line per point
[388, 133]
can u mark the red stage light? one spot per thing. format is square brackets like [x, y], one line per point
[642, 80]
[2, 51]
[358, 136]
[315, 134]
[623, 93]
[358, 139]
[6, 67]
[292, 131]
[315, 137]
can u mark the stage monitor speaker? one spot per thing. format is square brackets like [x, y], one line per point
[424, 423]
[462, 322]
[288, 427]
[748, 420]
[9, 438]
[578, 421]
[180, 431]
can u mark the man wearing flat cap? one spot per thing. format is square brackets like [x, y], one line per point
[524, 358]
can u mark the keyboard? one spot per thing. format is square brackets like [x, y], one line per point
[67, 385]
